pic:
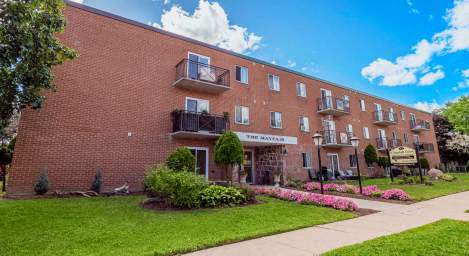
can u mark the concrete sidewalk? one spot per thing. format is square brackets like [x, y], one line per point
[393, 218]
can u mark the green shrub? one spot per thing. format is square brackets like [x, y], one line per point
[181, 159]
[294, 183]
[424, 163]
[229, 150]
[248, 192]
[370, 155]
[97, 182]
[42, 184]
[428, 183]
[377, 194]
[175, 189]
[447, 177]
[215, 196]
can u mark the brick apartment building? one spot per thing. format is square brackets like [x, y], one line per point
[136, 93]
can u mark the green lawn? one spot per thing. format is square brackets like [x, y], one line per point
[444, 237]
[119, 226]
[423, 192]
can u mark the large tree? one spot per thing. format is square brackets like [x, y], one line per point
[28, 51]
[458, 114]
[447, 140]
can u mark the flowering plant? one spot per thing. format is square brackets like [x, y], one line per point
[371, 191]
[309, 198]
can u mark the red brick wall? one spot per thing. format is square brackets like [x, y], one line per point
[122, 82]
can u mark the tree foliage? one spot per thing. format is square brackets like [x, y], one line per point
[229, 150]
[181, 160]
[424, 164]
[444, 135]
[28, 51]
[370, 155]
[458, 114]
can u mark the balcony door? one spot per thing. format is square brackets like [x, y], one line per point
[198, 66]
[326, 98]
[197, 105]
[379, 112]
[391, 114]
[382, 138]
[201, 160]
[329, 132]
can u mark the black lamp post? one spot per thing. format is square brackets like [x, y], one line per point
[355, 141]
[317, 138]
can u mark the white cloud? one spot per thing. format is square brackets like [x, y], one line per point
[464, 84]
[431, 77]
[427, 106]
[209, 23]
[291, 64]
[412, 9]
[405, 69]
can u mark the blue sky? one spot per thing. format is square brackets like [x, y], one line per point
[415, 52]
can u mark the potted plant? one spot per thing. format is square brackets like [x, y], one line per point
[277, 176]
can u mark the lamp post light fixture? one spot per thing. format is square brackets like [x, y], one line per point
[317, 139]
[355, 141]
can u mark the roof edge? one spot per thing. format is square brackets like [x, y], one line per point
[161, 31]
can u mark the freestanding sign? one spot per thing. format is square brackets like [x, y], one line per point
[403, 156]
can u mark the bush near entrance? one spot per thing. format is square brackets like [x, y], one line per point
[370, 155]
[229, 150]
[181, 159]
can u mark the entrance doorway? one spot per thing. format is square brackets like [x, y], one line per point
[201, 160]
[249, 165]
[333, 160]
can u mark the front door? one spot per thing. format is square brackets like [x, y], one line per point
[333, 160]
[201, 160]
[249, 165]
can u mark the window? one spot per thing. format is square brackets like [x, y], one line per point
[406, 138]
[242, 74]
[362, 105]
[346, 101]
[349, 129]
[306, 160]
[353, 161]
[274, 82]
[366, 133]
[275, 119]
[402, 115]
[416, 139]
[197, 105]
[304, 124]
[301, 89]
[241, 115]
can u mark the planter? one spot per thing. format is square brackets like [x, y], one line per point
[277, 180]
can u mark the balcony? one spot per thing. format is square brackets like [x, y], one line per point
[382, 143]
[384, 118]
[334, 106]
[425, 147]
[201, 77]
[419, 125]
[193, 125]
[334, 139]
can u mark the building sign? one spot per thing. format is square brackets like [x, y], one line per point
[403, 156]
[266, 138]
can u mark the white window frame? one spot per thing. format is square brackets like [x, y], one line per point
[242, 116]
[199, 55]
[281, 124]
[402, 115]
[349, 129]
[301, 90]
[241, 76]
[366, 133]
[268, 82]
[305, 155]
[206, 159]
[362, 105]
[307, 122]
[196, 99]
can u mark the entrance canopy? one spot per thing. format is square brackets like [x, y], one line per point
[259, 139]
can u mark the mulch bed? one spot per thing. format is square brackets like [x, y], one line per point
[157, 205]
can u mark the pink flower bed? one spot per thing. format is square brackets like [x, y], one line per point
[309, 198]
[373, 190]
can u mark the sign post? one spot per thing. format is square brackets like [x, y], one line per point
[390, 165]
[417, 148]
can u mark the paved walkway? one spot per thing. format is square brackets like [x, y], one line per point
[393, 218]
